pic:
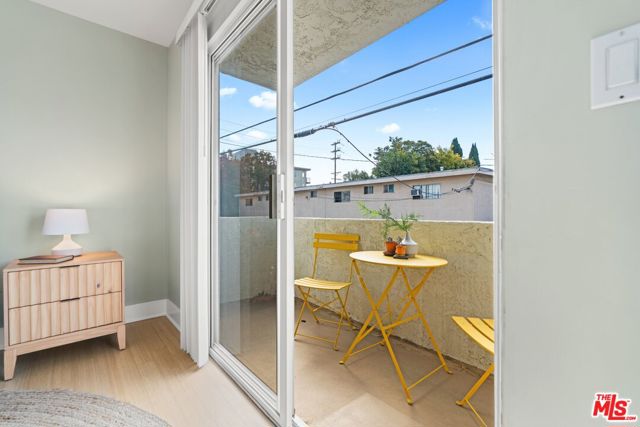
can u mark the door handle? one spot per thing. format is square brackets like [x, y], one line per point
[276, 196]
[273, 196]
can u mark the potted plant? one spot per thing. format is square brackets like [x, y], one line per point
[390, 246]
[404, 223]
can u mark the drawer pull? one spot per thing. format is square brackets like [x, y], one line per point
[98, 285]
[69, 299]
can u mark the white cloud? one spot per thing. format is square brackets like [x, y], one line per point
[225, 91]
[482, 23]
[256, 134]
[390, 128]
[266, 100]
[234, 137]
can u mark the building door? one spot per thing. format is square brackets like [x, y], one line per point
[252, 198]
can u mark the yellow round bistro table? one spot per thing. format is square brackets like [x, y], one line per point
[374, 320]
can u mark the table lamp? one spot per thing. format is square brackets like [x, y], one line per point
[65, 222]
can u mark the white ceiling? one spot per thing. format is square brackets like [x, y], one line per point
[153, 20]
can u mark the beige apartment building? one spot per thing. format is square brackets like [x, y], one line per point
[452, 195]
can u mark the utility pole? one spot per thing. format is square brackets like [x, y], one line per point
[336, 150]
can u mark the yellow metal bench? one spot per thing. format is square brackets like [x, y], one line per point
[482, 332]
[341, 242]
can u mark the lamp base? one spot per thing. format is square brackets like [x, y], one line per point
[67, 247]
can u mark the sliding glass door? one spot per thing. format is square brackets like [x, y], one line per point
[249, 224]
[247, 231]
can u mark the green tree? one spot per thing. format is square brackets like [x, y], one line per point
[447, 159]
[255, 169]
[456, 148]
[229, 184]
[473, 154]
[356, 175]
[402, 157]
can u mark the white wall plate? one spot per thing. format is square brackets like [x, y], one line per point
[615, 67]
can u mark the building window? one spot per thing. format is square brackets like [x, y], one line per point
[389, 188]
[266, 197]
[342, 196]
[248, 202]
[259, 198]
[368, 189]
[313, 194]
[427, 191]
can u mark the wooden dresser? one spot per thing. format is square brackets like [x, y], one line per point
[48, 305]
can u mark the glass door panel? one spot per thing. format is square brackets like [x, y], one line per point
[247, 232]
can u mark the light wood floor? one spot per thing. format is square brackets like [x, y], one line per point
[155, 375]
[152, 373]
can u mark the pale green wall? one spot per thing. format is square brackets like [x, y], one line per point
[571, 218]
[173, 173]
[83, 113]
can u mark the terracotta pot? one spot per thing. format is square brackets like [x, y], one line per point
[401, 250]
[390, 248]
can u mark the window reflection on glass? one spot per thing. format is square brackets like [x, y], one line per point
[247, 238]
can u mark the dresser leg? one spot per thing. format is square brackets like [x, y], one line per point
[122, 337]
[9, 364]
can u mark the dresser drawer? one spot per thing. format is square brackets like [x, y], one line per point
[100, 278]
[40, 321]
[40, 286]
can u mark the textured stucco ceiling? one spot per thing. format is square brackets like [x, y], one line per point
[325, 32]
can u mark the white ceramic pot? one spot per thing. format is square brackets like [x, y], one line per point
[412, 247]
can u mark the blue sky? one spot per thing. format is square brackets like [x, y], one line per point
[465, 113]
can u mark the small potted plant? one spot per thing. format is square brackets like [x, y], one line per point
[404, 223]
[390, 246]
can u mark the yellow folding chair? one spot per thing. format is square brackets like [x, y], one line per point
[341, 242]
[481, 331]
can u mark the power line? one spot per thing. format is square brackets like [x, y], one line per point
[242, 124]
[369, 106]
[453, 190]
[397, 104]
[295, 154]
[399, 96]
[309, 132]
[377, 79]
[330, 158]
[361, 199]
[365, 156]
[331, 126]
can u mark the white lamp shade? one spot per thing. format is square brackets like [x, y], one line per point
[58, 222]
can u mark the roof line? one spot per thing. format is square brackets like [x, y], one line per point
[410, 177]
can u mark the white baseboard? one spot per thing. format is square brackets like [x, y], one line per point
[173, 314]
[142, 311]
[145, 310]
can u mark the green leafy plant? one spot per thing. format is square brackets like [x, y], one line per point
[404, 223]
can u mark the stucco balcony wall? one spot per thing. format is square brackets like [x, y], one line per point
[463, 287]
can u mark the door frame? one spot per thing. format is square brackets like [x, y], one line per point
[498, 208]
[285, 130]
[247, 13]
